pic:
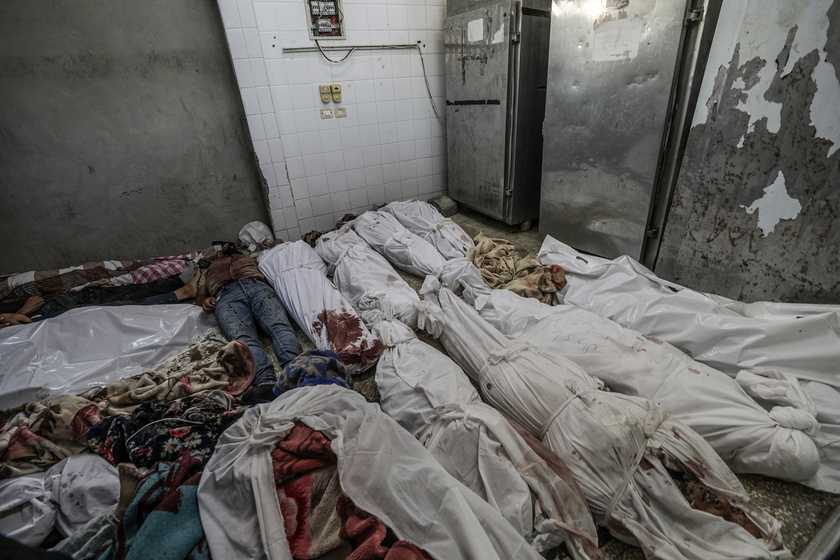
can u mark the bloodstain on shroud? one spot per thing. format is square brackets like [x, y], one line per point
[348, 338]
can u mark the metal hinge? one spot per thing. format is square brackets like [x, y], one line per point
[695, 15]
[652, 233]
[514, 37]
[508, 192]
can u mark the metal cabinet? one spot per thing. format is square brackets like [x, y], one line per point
[496, 58]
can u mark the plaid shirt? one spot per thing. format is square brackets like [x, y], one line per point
[164, 268]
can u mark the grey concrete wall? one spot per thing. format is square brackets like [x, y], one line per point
[122, 133]
[755, 212]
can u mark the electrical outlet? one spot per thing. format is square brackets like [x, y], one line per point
[326, 113]
[325, 92]
[336, 93]
[340, 112]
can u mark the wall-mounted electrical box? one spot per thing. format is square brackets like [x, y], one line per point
[326, 20]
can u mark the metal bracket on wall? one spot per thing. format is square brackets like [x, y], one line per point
[694, 15]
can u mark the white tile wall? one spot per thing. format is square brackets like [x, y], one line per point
[389, 147]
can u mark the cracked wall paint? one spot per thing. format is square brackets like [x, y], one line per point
[765, 37]
[756, 209]
[776, 205]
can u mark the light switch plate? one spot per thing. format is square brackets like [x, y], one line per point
[340, 112]
[326, 113]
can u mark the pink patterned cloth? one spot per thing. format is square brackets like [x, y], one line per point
[164, 268]
[99, 273]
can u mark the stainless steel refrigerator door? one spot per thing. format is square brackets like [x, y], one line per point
[610, 76]
[477, 46]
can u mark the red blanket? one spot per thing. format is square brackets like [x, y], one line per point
[320, 520]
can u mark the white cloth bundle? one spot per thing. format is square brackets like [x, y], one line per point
[298, 275]
[432, 398]
[797, 340]
[367, 279]
[424, 219]
[461, 277]
[625, 452]
[381, 467]
[392, 240]
[744, 434]
[65, 497]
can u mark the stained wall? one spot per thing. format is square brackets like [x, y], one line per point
[122, 134]
[755, 212]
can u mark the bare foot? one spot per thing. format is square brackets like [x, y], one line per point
[129, 480]
[190, 289]
[31, 304]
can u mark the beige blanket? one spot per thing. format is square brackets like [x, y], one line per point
[502, 265]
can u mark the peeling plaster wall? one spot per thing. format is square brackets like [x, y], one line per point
[755, 211]
[122, 134]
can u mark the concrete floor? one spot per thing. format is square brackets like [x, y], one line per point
[802, 511]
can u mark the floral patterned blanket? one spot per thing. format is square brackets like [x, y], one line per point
[35, 436]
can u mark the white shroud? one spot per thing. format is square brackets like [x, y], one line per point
[625, 452]
[432, 398]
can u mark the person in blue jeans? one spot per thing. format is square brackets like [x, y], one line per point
[245, 304]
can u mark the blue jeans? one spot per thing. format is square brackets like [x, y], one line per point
[244, 305]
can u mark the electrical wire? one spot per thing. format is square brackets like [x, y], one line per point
[331, 60]
[440, 118]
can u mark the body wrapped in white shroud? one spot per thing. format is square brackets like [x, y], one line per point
[626, 453]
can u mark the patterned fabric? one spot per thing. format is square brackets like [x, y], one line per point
[232, 372]
[56, 281]
[161, 432]
[100, 273]
[314, 367]
[317, 516]
[35, 436]
[164, 268]
[165, 499]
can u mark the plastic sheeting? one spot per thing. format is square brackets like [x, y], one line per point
[91, 347]
[624, 451]
[744, 434]
[381, 467]
[424, 220]
[797, 340]
[65, 497]
[298, 275]
[367, 279]
[432, 398]
[392, 240]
